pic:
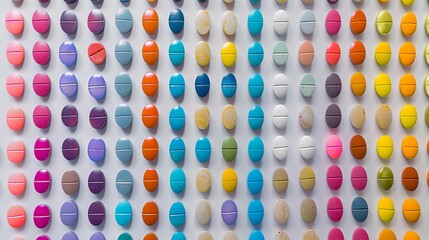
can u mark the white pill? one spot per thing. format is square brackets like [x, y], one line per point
[281, 235]
[204, 235]
[229, 23]
[281, 22]
[307, 147]
[280, 116]
[280, 147]
[306, 116]
[281, 211]
[203, 22]
[280, 85]
[230, 235]
[203, 212]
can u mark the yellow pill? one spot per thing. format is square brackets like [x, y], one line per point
[408, 24]
[384, 22]
[229, 180]
[228, 54]
[382, 53]
[408, 116]
[407, 54]
[427, 24]
[202, 53]
[427, 54]
[383, 1]
[411, 235]
[426, 85]
[407, 2]
[386, 209]
[384, 147]
[382, 85]
[410, 147]
[411, 210]
[407, 85]
[358, 84]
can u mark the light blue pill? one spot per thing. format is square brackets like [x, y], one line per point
[308, 85]
[229, 85]
[124, 149]
[256, 85]
[255, 22]
[177, 85]
[123, 85]
[178, 236]
[177, 180]
[123, 52]
[203, 149]
[255, 212]
[97, 87]
[177, 118]
[256, 117]
[255, 181]
[255, 54]
[176, 52]
[176, 21]
[202, 84]
[123, 116]
[177, 149]
[255, 149]
[307, 22]
[280, 53]
[360, 209]
[123, 213]
[177, 214]
[124, 20]
[256, 235]
[124, 182]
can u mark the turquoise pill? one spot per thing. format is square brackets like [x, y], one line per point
[255, 212]
[124, 150]
[177, 149]
[202, 85]
[280, 53]
[124, 20]
[255, 149]
[176, 52]
[176, 21]
[125, 236]
[177, 214]
[255, 22]
[124, 182]
[256, 117]
[254, 2]
[256, 85]
[255, 181]
[360, 209]
[203, 149]
[177, 180]
[123, 52]
[256, 235]
[255, 54]
[229, 85]
[123, 116]
[178, 236]
[123, 85]
[308, 85]
[177, 118]
[123, 213]
[177, 85]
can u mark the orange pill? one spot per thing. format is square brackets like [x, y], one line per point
[150, 52]
[150, 21]
[150, 116]
[387, 234]
[411, 235]
[150, 213]
[16, 216]
[358, 22]
[150, 236]
[150, 179]
[407, 85]
[15, 118]
[357, 53]
[150, 84]
[150, 148]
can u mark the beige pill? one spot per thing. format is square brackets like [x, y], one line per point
[307, 179]
[229, 23]
[307, 2]
[230, 235]
[228, 1]
[306, 117]
[308, 210]
[203, 22]
[358, 116]
[310, 235]
[204, 235]
[203, 212]
[383, 116]
[202, 117]
[281, 235]
[281, 211]
[202, 53]
[229, 116]
[203, 180]
[280, 180]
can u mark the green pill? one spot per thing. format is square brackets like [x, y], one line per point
[385, 178]
[229, 149]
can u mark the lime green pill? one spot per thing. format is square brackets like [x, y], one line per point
[427, 54]
[385, 178]
[384, 23]
[426, 85]
[427, 24]
[229, 149]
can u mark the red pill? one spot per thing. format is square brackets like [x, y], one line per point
[333, 53]
[97, 53]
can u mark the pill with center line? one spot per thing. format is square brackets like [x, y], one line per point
[42, 116]
[333, 116]
[96, 213]
[229, 149]
[15, 151]
[410, 179]
[280, 148]
[307, 179]
[16, 183]
[123, 116]
[124, 182]
[280, 116]
[150, 179]
[97, 53]
[281, 22]
[385, 178]
[123, 52]
[359, 178]
[280, 85]
[124, 20]
[16, 216]
[307, 22]
[306, 53]
[334, 147]
[334, 177]
[255, 181]
[41, 53]
[150, 213]
[360, 209]
[256, 149]
[255, 212]
[123, 213]
[280, 180]
[335, 209]
[68, 85]
[69, 213]
[42, 148]
[42, 181]
[69, 22]
[42, 84]
[177, 149]
[307, 147]
[256, 117]
[177, 214]
[70, 149]
[70, 182]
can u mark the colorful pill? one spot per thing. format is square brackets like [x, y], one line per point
[333, 53]
[255, 22]
[408, 24]
[69, 213]
[150, 52]
[308, 211]
[42, 116]
[229, 85]
[411, 235]
[358, 84]
[96, 213]
[176, 21]
[123, 52]
[357, 53]
[150, 148]
[97, 53]
[123, 116]
[69, 22]
[42, 216]
[42, 84]
[386, 209]
[333, 116]
[410, 179]
[255, 54]
[42, 148]
[360, 209]
[96, 181]
[383, 116]
[408, 116]
[68, 85]
[407, 54]
[15, 85]
[229, 212]
[306, 53]
[42, 181]
[15, 53]
[69, 116]
[203, 180]
[359, 178]
[228, 54]
[124, 182]
[150, 21]
[407, 85]
[150, 83]
[41, 21]
[411, 210]
[123, 213]
[334, 177]
[280, 53]
[15, 151]
[334, 147]
[150, 213]
[14, 22]
[98, 117]
[177, 214]
[333, 22]
[229, 180]
[358, 22]
[16, 183]
[70, 182]
[385, 178]
[256, 117]
[96, 21]
[255, 212]
[124, 20]
[384, 22]
[382, 53]
[16, 216]
[177, 180]
[96, 150]
[335, 209]
[307, 22]
[307, 179]
[150, 180]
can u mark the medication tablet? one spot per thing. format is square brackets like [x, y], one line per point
[150, 148]
[256, 235]
[387, 234]
[96, 213]
[70, 236]
[42, 216]
[176, 21]
[386, 209]
[255, 54]
[255, 22]
[360, 209]
[70, 149]
[409, 147]
[202, 85]
[333, 22]
[15, 118]
[382, 53]
[97, 53]
[307, 22]
[16, 183]
[69, 22]
[427, 118]
[360, 234]
[310, 235]
[15, 53]
[407, 54]
[229, 149]
[411, 210]
[357, 53]
[98, 117]
[69, 213]
[333, 116]
[202, 117]
[281, 211]
[358, 84]
[229, 116]
[358, 116]
[384, 22]
[383, 116]
[150, 180]
[123, 52]
[42, 181]
[306, 53]
[307, 147]
[124, 182]
[333, 85]
[123, 116]
[358, 147]
[14, 22]
[408, 24]
[41, 21]
[69, 116]
[150, 83]
[41, 53]
[280, 148]
[150, 116]
[229, 85]
[176, 52]
[202, 22]
[410, 235]
[229, 213]
[70, 182]
[358, 22]
[407, 85]
[307, 2]
[96, 182]
[177, 149]
[280, 85]
[42, 237]
[203, 149]
[15, 151]
[229, 23]
[97, 87]
[333, 53]
[42, 84]
[15, 85]
[308, 211]
[308, 85]
[203, 212]
[255, 86]
[96, 150]
[177, 85]
[125, 236]
[280, 180]
[69, 85]
[410, 179]
[95, 21]
[177, 180]
[280, 116]
[307, 179]
[177, 118]
[178, 235]
[203, 180]
[385, 178]
[150, 52]
[228, 54]
[280, 53]
[150, 213]
[42, 148]
[255, 212]
[408, 116]
[229, 180]
[204, 235]
[255, 181]
[202, 53]
[150, 21]
[123, 213]
[124, 20]
[359, 178]
[256, 117]
[335, 209]
[16, 216]
[335, 234]
[177, 214]
[385, 147]
[334, 177]
[281, 22]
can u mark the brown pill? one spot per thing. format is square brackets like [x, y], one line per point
[280, 180]
[70, 182]
[308, 210]
[410, 179]
[358, 147]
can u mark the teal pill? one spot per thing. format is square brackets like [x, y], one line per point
[123, 52]
[254, 2]
[124, 182]
[177, 180]
[202, 85]
[255, 181]
[256, 85]
[229, 85]
[255, 54]
[177, 149]
[203, 149]
[123, 116]
[256, 117]
[176, 52]
[256, 235]
[177, 118]
[124, 150]
[360, 209]
[308, 85]
[177, 214]
[255, 22]
[178, 236]
[255, 149]
[280, 53]
[123, 85]
[123, 213]
[255, 212]
[307, 22]
[176, 21]
[125, 236]
[124, 20]
[177, 85]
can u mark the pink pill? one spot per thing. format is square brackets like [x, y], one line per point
[42, 116]
[334, 147]
[41, 53]
[335, 209]
[42, 181]
[334, 177]
[15, 85]
[43, 237]
[18, 238]
[41, 21]
[14, 22]
[16, 216]
[359, 178]
[42, 216]
[360, 234]
[16, 183]
[333, 22]
[42, 84]
[15, 53]
[15, 118]
[42, 148]
[15, 151]
[335, 234]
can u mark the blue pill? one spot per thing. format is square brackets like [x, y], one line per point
[125, 236]
[123, 213]
[70, 236]
[124, 149]
[256, 85]
[255, 54]
[255, 212]
[123, 85]
[123, 52]
[203, 149]
[256, 235]
[178, 236]
[202, 84]
[124, 20]
[254, 2]
[360, 209]
[177, 214]
[256, 117]
[255, 22]
[123, 116]
[177, 149]
[124, 182]
[69, 213]
[177, 85]
[68, 85]
[97, 87]
[176, 52]
[176, 21]
[255, 149]
[255, 181]
[68, 54]
[96, 150]
[229, 85]
[177, 180]
[177, 118]
[98, 236]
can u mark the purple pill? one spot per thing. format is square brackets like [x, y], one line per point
[69, 213]
[96, 181]
[43, 1]
[41, 21]
[42, 84]
[70, 1]
[70, 149]
[333, 85]
[98, 236]
[96, 21]
[68, 85]
[332, 1]
[70, 236]
[42, 216]
[42, 148]
[96, 150]
[68, 22]
[333, 116]
[42, 181]
[96, 213]
[43, 237]
[69, 116]
[97, 87]
[68, 53]
[229, 212]
[98, 117]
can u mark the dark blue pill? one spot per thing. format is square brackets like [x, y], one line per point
[176, 21]
[202, 85]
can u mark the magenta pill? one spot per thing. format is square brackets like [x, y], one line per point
[42, 148]
[335, 209]
[41, 53]
[14, 22]
[41, 21]
[15, 53]
[335, 234]
[42, 116]
[333, 22]
[42, 84]
[96, 21]
[42, 181]
[42, 216]
[359, 178]
[360, 234]
[43, 237]
[334, 177]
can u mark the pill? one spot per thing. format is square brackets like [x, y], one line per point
[150, 148]
[334, 147]
[411, 235]
[229, 85]
[229, 149]
[203, 212]
[177, 118]
[16, 183]
[280, 180]
[280, 148]
[177, 180]
[202, 117]
[360, 209]
[229, 116]
[307, 179]
[358, 147]
[123, 52]
[382, 53]
[280, 53]
[14, 21]
[281, 22]
[177, 85]
[386, 209]
[427, 54]
[359, 178]
[15, 53]
[256, 234]
[97, 53]
[176, 21]
[69, 85]
[15, 85]
[204, 235]
[96, 213]
[228, 54]
[177, 214]
[229, 180]
[357, 53]
[411, 210]
[98, 117]
[42, 116]
[307, 22]
[408, 24]
[150, 83]
[42, 216]
[202, 53]
[383, 116]
[280, 116]
[255, 54]
[409, 147]
[70, 182]
[229, 212]
[41, 21]
[15, 151]
[333, 53]
[124, 20]
[306, 117]
[335, 209]
[203, 180]
[410, 179]
[69, 213]
[178, 235]
[407, 85]
[408, 116]
[407, 2]
[177, 149]
[41, 84]
[255, 181]
[41, 53]
[202, 85]
[150, 213]
[427, 116]
[176, 52]
[16, 216]
[360, 234]
[358, 116]
[123, 116]
[256, 117]
[308, 211]
[69, 22]
[307, 147]
[42, 181]
[427, 24]
[255, 212]
[384, 22]
[407, 54]
[255, 86]
[15, 118]
[384, 147]
[69, 116]
[335, 234]
[202, 22]
[255, 22]
[70, 149]
[229, 23]
[124, 182]
[96, 182]
[150, 236]
[123, 213]
[334, 177]
[333, 22]
[125, 236]
[306, 53]
[280, 85]
[333, 116]
[42, 148]
[385, 178]
[96, 21]
[358, 22]
[150, 116]
[281, 211]
[70, 235]
[358, 84]
[150, 21]
[333, 85]
[150, 180]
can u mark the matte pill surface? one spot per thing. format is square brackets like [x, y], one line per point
[333, 22]
[307, 22]
[15, 53]
[203, 212]
[42, 181]
[357, 53]
[229, 149]
[124, 182]
[360, 209]
[150, 21]
[15, 85]
[97, 53]
[383, 116]
[359, 178]
[70, 149]
[42, 216]
[358, 22]
[407, 54]
[16, 183]
[385, 147]
[307, 147]
[333, 116]
[177, 180]
[150, 83]
[229, 23]
[150, 180]
[124, 20]
[308, 85]
[42, 116]
[229, 180]
[410, 179]
[335, 209]
[69, 22]
[123, 116]
[42, 148]
[384, 22]
[411, 210]
[358, 84]
[42, 84]
[150, 213]
[69, 85]
[386, 209]
[255, 212]
[280, 180]
[41, 21]
[16, 216]
[229, 212]
[98, 117]
[333, 53]
[203, 180]
[202, 53]
[281, 22]
[96, 213]
[96, 21]
[306, 53]
[408, 24]
[177, 214]
[202, 22]
[334, 177]
[69, 213]
[70, 182]
[307, 179]
[69, 116]
[308, 210]
[96, 181]
[407, 85]
[385, 178]
[14, 21]
[15, 151]
[123, 213]
[255, 22]
[176, 21]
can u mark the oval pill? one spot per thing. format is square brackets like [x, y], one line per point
[307, 22]
[410, 179]
[16, 216]
[385, 178]
[382, 53]
[14, 21]
[408, 24]
[150, 52]
[176, 21]
[150, 21]
[308, 211]
[306, 53]
[358, 22]
[16, 183]
[203, 212]
[255, 22]
[386, 209]
[407, 54]
[228, 54]
[15, 151]
[124, 182]
[333, 53]
[41, 21]
[360, 209]
[411, 210]
[357, 53]
[202, 22]
[15, 85]
[124, 20]
[150, 213]
[42, 181]
[359, 178]
[383, 116]
[229, 180]
[229, 23]
[335, 209]
[280, 180]
[281, 22]
[408, 116]
[203, 180]
[307, 179]
[333, 22]
[334, 177]
[150, 180]
[202, 53]
[384, 22]
[358, 84]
